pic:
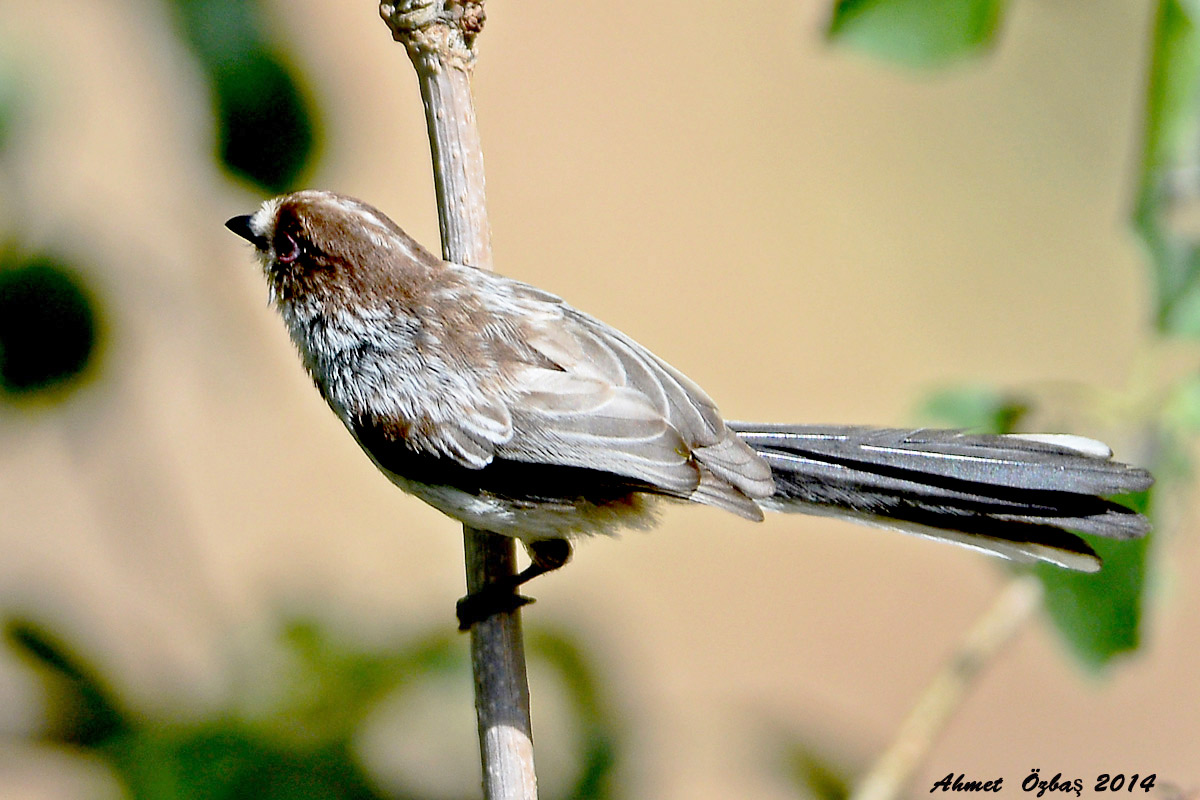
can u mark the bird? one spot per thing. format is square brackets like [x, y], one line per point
[511, 411]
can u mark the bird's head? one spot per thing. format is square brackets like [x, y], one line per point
[317, 245]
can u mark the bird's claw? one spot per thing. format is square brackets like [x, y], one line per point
[496, 598]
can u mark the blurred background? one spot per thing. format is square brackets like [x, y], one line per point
[208, 591]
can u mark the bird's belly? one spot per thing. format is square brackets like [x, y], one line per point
[529, 519]
[524, 500]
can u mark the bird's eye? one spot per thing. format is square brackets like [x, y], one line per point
[287, 249]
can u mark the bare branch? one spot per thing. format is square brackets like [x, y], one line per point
[440, 40]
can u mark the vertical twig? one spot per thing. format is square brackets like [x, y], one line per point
[439, 36]
[892, 773]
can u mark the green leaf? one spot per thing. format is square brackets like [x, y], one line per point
[301, 744]
[917, 33]
[1181, 408]
[330, 687]
[82, 710]
[1171, 147]
[227, 760]
[48, 325]
[975, 408]
[1099, 615]
[816, 775]
[266, 133]
[266, 123]
[596, 774]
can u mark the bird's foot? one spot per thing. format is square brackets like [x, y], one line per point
[495, 598]
[500, 597]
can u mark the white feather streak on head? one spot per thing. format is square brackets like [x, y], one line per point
[262, 225]
[380, 234]
[262, 222]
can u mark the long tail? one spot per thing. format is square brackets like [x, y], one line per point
[1017, 496]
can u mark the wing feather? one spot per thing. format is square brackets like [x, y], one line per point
[582, 422]
[694, 433]
[542, 383]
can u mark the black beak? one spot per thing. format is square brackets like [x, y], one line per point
[241, 226]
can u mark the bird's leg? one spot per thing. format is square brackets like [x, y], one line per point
[545, 555]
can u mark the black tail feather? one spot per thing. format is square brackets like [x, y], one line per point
[1013, 495]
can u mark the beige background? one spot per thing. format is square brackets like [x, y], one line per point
[810, 235]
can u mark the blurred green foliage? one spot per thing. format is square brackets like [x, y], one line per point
[1170, 151]
[303, 745]
[1097, 615]
[917, 33]
[816, 773]
[980, 408]
[935, 33]
[48, 326]
[266, 135]
[599, 729]
[1100, 615]
[266, 124]
[9, 102]
[48, 318]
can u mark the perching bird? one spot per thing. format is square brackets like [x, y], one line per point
[511, 411]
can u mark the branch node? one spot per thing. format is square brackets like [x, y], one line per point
[445, 28]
